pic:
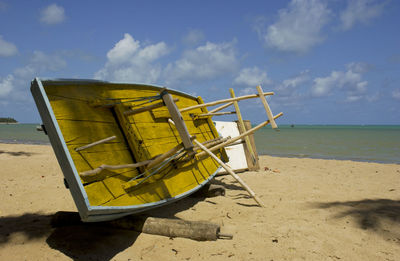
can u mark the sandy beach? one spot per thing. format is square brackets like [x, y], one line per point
[315, 210]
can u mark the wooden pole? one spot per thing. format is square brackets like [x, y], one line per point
[178, 120]
[213, 114]
[95, 143]
[232, 173]
[224, 101]
[221, 107]
[238, 137]
[211, 143]
[113, 167]
[146, 108]
[242, 127]
[266, 107]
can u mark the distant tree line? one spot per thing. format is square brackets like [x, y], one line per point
[8, 120]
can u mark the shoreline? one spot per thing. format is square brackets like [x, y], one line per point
[327, 158]
[260, 155]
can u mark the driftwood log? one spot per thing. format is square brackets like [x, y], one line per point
[196, 230]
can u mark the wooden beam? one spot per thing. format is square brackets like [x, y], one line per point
[224, 144]
[266, 107]
[232, 173]
[195, 116]
[224, 101]
[113, 167]
[221, 107]
[211, 143]
[95, 143]
[242, 127]
[146, 108]
[178, 120]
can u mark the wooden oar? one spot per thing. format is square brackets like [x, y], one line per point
[224, 101]
[200, 154]
[233, 174]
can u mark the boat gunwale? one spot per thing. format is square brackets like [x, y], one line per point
[61, 81]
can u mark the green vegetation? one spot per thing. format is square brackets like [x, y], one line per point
[8, 120]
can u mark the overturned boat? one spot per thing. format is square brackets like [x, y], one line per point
[127, 148]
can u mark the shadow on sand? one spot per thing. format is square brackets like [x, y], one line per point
[379, 215]
[77, 240]
[17, 153]
[80, 242]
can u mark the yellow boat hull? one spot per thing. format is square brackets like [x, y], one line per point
[76, 113]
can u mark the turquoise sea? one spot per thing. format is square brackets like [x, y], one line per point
[375, 143]
[22, 133]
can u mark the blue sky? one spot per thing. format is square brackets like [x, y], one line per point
[328, 62]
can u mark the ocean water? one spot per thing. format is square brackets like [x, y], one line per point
[22, 133]
[360, 143]
[373, 143]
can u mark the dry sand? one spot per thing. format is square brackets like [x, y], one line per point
[315, 210]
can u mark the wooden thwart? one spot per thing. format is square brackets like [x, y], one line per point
[146, 108]
[232, 173]
[224, 101]
[95, 143]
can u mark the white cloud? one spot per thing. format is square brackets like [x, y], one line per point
[396, 94]
[123, 50]
[193, 37]
[14, 86]
[349, 81]
[206, 62]
[6, 85]
[288, 92]
[52, 14]
[298, 27]
[7, 48]
[130, 62]
[360, 11]
[252, 77]
[39, 63]
[290, 85]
